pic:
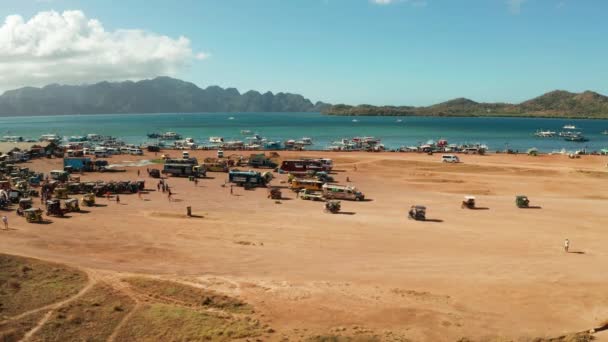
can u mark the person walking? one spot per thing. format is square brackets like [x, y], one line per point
[137, 172]
[158, 186]
[117, 199]
[231, 191]
[5, 221]
[566, 245]
[169, 194]
[195, 181]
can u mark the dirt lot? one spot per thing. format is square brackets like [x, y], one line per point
[499, 272]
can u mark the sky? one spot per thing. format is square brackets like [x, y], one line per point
[397, 52]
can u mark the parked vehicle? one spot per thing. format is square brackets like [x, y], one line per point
[298, 184]
[274, 193]
[154, 173]
[261, 161]
[88, 199]
[450, 158]
[183, 170]
[303, 165]
[71, 205]
[469, 202]
[24, 204]
[77, 164]
[33, 215]
[417, 212]
[333, 207]
[215, 167]
[332, 191]
[59, 175]
[53, 208]
[522, 201]
[248, 178]
[311, 195]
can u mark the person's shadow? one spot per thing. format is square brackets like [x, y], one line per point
[576, 252]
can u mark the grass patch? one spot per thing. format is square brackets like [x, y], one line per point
[92, 317]
[157, 161]
[27, 284]
[13, 331]
[187, 295]
[163, 322]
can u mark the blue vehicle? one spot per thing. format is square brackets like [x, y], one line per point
[249, 178]
[77, 164]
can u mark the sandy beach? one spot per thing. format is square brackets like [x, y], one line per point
[495, 272]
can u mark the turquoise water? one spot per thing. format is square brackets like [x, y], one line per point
[497, 133]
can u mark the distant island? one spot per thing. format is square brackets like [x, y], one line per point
[555, 104]
[169, 95]
[158, 95]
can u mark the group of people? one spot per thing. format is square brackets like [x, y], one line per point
[164, 187]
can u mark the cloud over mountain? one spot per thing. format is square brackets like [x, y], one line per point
[68, 47]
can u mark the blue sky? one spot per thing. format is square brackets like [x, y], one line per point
[356, 51]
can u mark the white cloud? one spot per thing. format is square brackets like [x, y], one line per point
[68, 47]
[515, 5]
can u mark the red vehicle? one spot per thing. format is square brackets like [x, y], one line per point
[303, 165]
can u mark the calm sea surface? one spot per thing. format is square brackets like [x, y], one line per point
[497, 133]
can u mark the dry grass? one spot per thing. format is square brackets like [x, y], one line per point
[27, 284]
[13, 331]
[172, 292]
[163, 322]
[93, 317]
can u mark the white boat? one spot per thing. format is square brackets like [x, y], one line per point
[12, 138]
[306, 141]
[569, 127]
[545, 134]
[245, 132]
[399, 120]
[50, 137]
[605, 132]
[216, 140]
[355, 120]
[170, 136]
[231, 118]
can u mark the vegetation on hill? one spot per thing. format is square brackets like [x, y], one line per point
[553, 104]
[159, 95]
[27, 284]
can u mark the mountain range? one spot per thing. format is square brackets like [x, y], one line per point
[557, 103]
[158, 95]
[169, 95]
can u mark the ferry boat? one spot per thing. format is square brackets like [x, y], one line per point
[170, 136]
[12, 138]
[50, 138]
[576, 138]
[545, 134]
[216, 140]
[306, 141]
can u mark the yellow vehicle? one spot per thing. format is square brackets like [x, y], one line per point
[298, 184]
[215, 167]
[33, 215]
[61, 193]
[88, 199]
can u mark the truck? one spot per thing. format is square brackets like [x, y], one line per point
[77, 164]
[247, 178]
[261, 161]
[332, 191]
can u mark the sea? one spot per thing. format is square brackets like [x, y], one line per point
[498, 133]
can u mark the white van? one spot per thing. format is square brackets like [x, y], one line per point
[186, 155]
[450, 158]
[136, 152]
[100, 154]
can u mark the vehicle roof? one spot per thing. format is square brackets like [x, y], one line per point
[421, 207]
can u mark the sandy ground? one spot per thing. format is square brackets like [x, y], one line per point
[500, 271]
